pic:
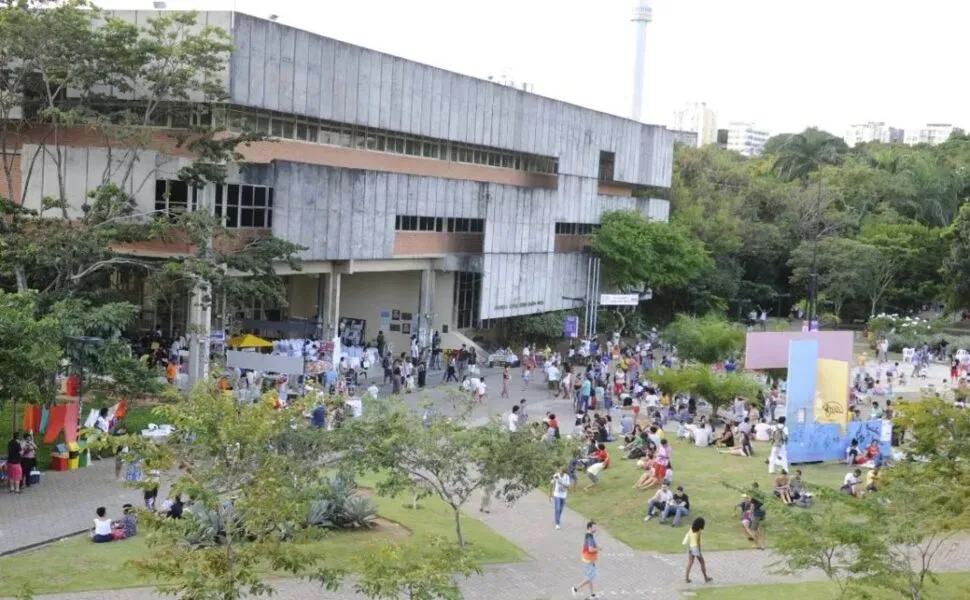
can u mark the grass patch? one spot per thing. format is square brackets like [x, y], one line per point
[138, 417]
[76, 564]
[952, 585]
[620, 509]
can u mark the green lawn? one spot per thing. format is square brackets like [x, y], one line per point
[138, 418]
[620, 509]
[952, 585]
[76, 564]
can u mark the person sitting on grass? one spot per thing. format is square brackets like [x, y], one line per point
[742, 449]
[850, 485]
[602, 462]
[852, 452]
[678, 507]
[102, 527]
[726, 438]
[657, 504]
[654, 472]
[127, 527]
[752, 514]
[872, 480]
[799, 493]
[783, 487]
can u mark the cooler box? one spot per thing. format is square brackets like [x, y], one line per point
[34, 478]
[59, 462]
[84, 458]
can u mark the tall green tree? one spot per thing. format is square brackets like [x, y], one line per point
[445, 457]
[956, 266]
[707, 339]
[250, 499]
[31, 351]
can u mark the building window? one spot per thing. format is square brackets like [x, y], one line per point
[462, 225]
[245, 206]
[439, 224]
[607, 165]
[362, 138]
[468, 298]
[172, 197]
[576, 228]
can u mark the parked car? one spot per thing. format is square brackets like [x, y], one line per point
[503, 357]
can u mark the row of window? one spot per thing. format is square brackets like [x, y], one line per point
[332, 133]
[439, 224]
[576, 228]
[379, 140]
[239, 205]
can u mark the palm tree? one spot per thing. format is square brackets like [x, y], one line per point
[799, 156]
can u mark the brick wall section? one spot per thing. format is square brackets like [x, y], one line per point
[614, 189]
[14, 162]
[570, 243]
[319, 154]
[178, 243]
[423, 243]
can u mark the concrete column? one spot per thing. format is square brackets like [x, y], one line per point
[426, 314]
[335, 315]
[321, 306]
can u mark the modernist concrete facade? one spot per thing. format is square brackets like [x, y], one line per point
[387, 165]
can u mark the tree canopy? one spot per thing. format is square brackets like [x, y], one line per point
[879, 212]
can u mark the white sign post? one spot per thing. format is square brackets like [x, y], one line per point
[619, 299]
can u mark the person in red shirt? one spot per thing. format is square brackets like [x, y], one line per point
[600, 461]
[591, 553]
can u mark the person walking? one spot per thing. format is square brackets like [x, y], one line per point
[15, 472]
[560, 489]
[506, 381]
[779, 447]
[693, 540]
[590, 557]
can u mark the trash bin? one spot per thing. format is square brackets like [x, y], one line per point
[422, 377]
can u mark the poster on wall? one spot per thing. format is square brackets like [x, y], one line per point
[570, 327]
[406, 328]
[407, 317]
[385, 320]
[395, 315]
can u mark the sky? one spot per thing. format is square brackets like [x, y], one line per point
[783, 64]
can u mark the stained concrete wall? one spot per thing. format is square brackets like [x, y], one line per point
[281, 68]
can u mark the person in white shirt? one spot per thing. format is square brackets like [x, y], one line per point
[850, 485]
[514, 419]
[560, 489]
[779, 447]
[762, 432]
[702, 435]
[745, 426]
[480, 391]
[658, 502]
[102, 527]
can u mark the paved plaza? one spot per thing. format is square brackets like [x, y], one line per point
[64, 504]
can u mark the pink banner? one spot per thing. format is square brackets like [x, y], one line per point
[769, 349]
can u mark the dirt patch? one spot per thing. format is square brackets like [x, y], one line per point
[390, 529]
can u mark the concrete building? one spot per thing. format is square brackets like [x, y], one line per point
[873, 132]
[424, 198]
[932, 133]
[698, 118]
[687, 138]
[746, 138]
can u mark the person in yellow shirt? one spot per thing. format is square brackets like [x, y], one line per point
[693, 541]
[872, 480]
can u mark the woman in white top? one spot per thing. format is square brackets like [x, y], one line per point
[102, 527]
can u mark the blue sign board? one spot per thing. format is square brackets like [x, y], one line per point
[570, 327]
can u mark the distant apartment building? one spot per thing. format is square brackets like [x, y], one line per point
[697, 118]
[746, 138]
[932, 133]
[687, 138]
[873, 131]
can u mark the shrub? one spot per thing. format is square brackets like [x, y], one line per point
[340, 506]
